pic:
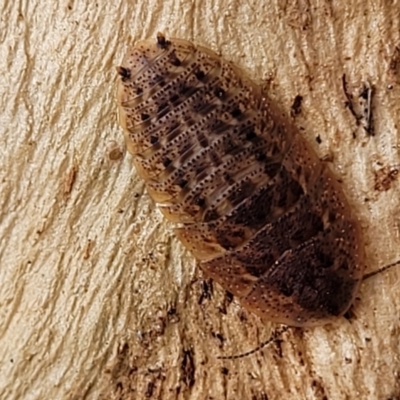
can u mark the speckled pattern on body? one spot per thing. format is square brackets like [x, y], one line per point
[264, 217]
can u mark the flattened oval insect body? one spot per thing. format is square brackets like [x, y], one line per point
[262, 214]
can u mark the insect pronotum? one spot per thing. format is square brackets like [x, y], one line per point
[261, 213]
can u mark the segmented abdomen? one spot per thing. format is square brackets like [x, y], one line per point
[262, 214]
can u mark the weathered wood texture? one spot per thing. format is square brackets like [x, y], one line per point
[98, 299]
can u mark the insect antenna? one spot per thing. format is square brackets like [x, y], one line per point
[382, 269]
[273, 337]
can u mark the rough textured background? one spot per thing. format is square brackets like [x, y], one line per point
[97, 298]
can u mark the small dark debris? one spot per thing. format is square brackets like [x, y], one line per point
[218, 336]
[224, 371]
[242, 315]
[366, 94]
[349, 97]
[188, 368]
[171, 311]
[384, 178]
[172, 315]
[362, 112]
[296, 106]
[226, 302]
[278, 346]
[206, 290]
[150, 389]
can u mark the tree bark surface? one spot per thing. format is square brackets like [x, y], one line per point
[98, 299]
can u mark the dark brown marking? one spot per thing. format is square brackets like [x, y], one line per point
[124, 73]
[162, 42]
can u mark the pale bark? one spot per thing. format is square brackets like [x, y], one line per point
[98, 299]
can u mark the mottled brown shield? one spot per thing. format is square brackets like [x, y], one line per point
[264, 217]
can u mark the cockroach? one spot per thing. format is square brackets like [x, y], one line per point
[262, 214]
